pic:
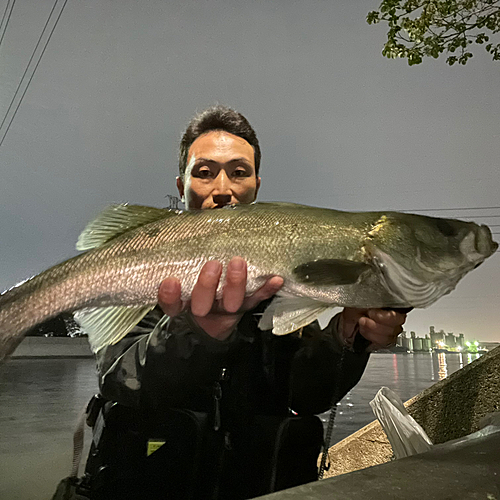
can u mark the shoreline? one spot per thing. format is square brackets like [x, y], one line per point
[78, 347]
[53, 347]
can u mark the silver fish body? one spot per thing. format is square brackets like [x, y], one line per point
[326, 257]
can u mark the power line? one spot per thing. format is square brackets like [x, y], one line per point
[5, 12]
[451, 209]
[8, 19]
[26, 70]
[469, 216]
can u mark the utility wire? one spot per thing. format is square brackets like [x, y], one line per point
[26, 70]
[6, 22]
[27, 67]
[451, 209]
[476, 216]
[5, 12]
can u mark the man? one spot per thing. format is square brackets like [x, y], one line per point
[207, 405]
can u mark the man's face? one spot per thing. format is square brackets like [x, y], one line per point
[220, 171]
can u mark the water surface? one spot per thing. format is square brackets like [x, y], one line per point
[405, 374]
[40, 400]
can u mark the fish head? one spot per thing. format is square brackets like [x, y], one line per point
[422, 258]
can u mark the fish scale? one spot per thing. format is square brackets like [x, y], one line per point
[327, 258]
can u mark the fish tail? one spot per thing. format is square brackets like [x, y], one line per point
[22, 308]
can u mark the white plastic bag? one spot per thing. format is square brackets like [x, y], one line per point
[405, 435]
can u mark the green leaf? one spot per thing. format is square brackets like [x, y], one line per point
[426, 28]
[372, 17]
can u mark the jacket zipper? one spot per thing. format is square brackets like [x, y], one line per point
[217, 395]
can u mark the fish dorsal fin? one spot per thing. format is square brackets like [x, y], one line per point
[330, 272]
[287, 314]
[108, 325]
[116, 220]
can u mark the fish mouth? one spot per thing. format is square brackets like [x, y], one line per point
[484, 242]
[405, 286]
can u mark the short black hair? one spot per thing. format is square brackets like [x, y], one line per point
[218, 117]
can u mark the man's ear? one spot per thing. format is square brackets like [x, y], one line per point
[180, 187]
[257, 188]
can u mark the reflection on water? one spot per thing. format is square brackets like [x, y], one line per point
[395, 367]
[39, 403]
[41, 398]
[471, 357]
[405, 374]
[444, 364]
[443, 371]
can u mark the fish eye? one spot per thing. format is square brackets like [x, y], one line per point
[446, 228]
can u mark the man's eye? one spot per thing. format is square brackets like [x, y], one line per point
[205, 173]
[240, 172]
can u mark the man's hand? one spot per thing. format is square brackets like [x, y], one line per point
[217, 317]
[378, 326]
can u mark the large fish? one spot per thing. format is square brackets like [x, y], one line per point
[327, 258]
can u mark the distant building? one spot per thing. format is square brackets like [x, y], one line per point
[427, 343]
[437, 340]
[436, 337]
[418, 344]
[408, 343]
[449, 340]
[399, 340]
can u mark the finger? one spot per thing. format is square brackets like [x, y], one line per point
[266, 291]
[370, 327]
[203, 295]
[235, 285]
[383, 342]
[352, 314]
[379, 334]
[169, 297]
[389, 318]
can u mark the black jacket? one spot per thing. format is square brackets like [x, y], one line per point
[255, 393]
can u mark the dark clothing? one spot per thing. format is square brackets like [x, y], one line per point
[242, 410]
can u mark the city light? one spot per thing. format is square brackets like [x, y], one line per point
[439, 342]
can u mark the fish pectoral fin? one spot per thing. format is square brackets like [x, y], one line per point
[108, 325]
[116, 220]
[330, 272]
[287, 314]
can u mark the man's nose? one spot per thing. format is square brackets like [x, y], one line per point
[222, 193]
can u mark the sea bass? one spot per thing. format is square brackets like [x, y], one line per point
[327, 258]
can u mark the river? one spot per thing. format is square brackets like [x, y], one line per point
[40, 400]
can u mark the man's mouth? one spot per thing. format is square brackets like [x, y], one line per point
[222, 205]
